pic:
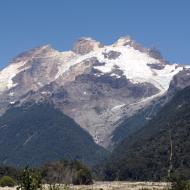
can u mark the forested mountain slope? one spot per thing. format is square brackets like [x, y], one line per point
[145, 154]
[36, 133]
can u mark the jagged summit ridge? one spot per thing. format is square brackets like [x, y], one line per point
[136, 63]
[132, 61]
[43, 50]
[123, 41]
[85, 45]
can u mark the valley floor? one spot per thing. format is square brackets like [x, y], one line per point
[113, 186]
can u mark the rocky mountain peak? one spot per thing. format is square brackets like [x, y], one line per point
[41, 51]
[86, 45]
[123, 41]
[129, 41]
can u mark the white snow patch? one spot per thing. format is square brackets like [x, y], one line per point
[7, 74]
[115, 75]
[122, 41]
[133, 63]
[117, 107]
[11, 94]
[98, 75]
[44, 92]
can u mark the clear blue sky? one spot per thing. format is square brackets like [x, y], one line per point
[25, 24]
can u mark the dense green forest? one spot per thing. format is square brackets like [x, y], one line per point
[37, 133]
[161, 144]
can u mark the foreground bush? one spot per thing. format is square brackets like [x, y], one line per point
[7, 181]
[30, 180]
[66, 172]
[83, 177]
[10, 171]
[179, 181]
[180, 185]
[82, 174]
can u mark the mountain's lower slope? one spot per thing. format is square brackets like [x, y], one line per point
[145, 155]
[129, 125]
[36, 133]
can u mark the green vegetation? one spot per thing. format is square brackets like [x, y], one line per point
[54, 174]
[9, 171]
[66, 172]
[179, 183]
[7, 181]
[30, 180]
[146, 155]
[83, 176]
[44, 134]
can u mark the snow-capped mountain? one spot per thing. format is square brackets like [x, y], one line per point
[94, 84]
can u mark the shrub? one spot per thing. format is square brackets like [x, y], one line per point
[179, 183]
[66, 172]
[7, 181]
[30, 180]
[83, 177]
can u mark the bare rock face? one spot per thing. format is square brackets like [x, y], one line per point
[156, 66]
[29, 72]
[92, 101]
[111, 54]
[180, 81]
[86, 45]
[128, 41]
[153, 52]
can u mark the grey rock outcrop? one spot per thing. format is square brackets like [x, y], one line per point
[86, 45]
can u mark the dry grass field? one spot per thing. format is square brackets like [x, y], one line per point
[112, 186]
